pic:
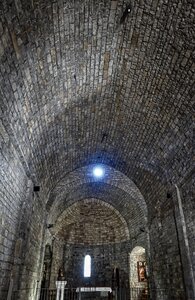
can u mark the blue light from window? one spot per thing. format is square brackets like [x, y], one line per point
[98, 171]
[87, 266]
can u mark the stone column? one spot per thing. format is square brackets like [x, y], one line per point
[58, 285]
[60, 289]
[63, 283]
[79, 293]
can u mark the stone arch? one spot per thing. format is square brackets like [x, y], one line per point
[90, 211]
[117, 198]
[84, 175]
[138, 272]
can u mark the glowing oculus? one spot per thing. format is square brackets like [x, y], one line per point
[98, 172]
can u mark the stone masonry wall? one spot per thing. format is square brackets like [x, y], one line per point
[21, 223]
[13, 187]
[166, 270]
[185, 215]
[78, 86]
[188, 197]
[31, 253]
[104, 258]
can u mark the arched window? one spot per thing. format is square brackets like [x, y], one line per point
[87, 266]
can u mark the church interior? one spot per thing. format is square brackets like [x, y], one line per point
[97, 181]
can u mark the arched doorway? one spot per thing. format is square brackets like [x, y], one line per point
[138, 274]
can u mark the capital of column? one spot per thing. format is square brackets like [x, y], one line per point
[61, 284]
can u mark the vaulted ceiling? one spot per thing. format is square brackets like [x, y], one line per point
[85, 82]
[91, 221]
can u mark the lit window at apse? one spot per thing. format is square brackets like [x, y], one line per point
[87, 266]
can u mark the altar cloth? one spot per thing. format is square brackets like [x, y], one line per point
[93, 289]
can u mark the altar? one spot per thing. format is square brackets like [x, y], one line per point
[94, 289]
[103, 291]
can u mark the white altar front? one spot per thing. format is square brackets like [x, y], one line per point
[94, 289]
[102, 290]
